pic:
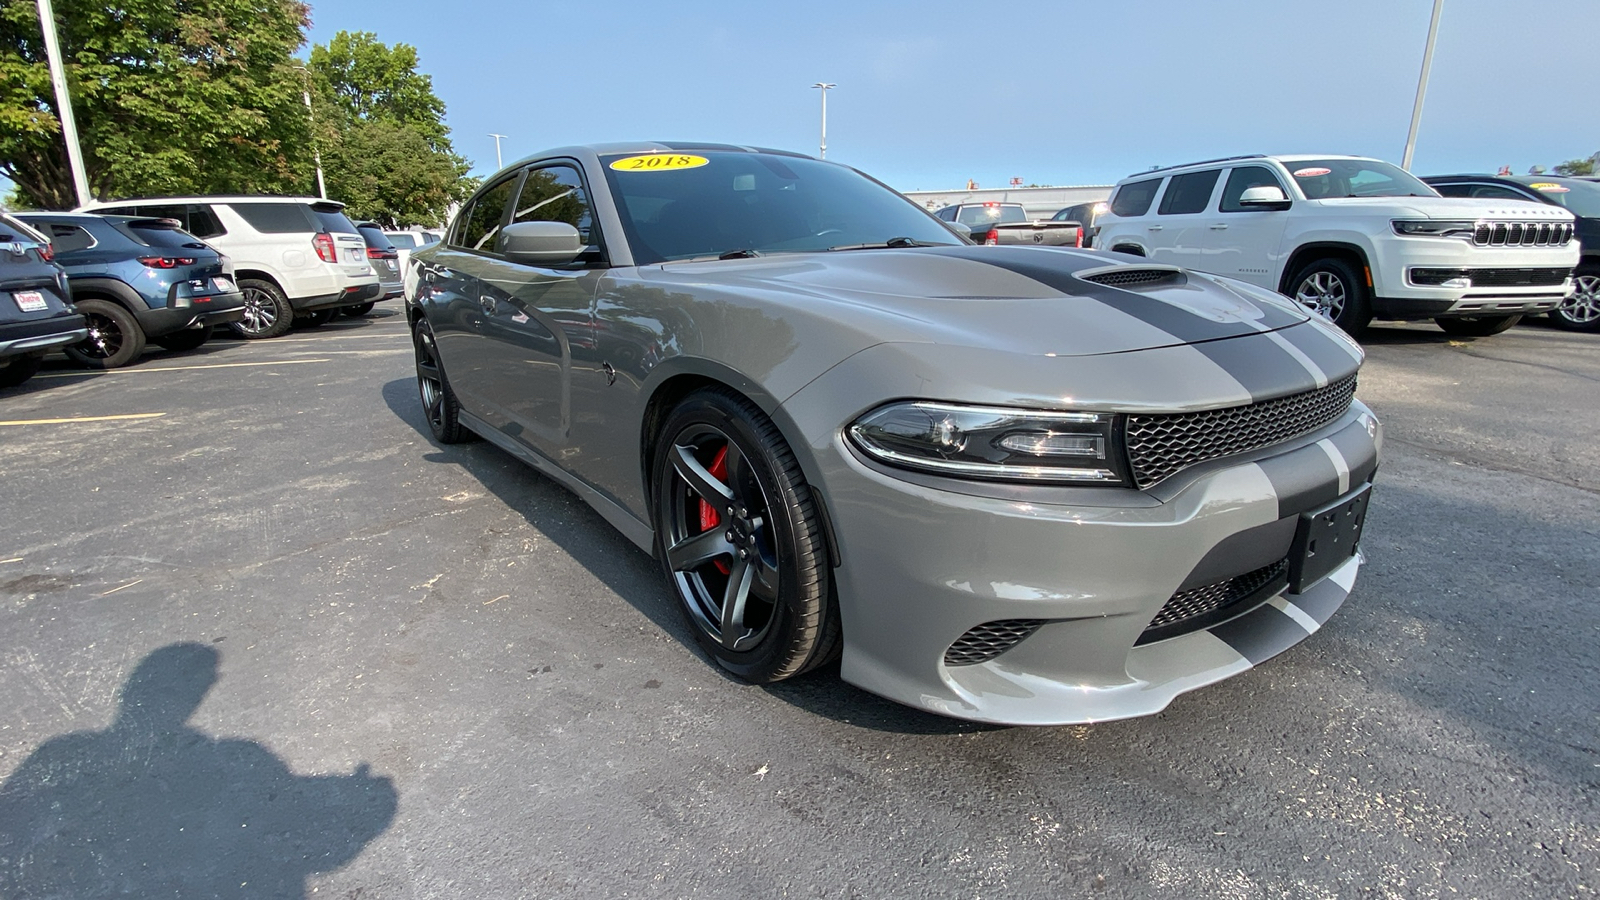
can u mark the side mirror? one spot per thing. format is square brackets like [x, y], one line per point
[540, 243]
[959, 228]
[1266, 196]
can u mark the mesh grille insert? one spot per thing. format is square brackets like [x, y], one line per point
[1198, 606]
[1135, 277]
[1161, 445]
[986, 641]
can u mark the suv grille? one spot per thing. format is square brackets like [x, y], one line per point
[1161, 445]
[1134, 278]
[986, 641]
[1198, 607]
[1522, 234]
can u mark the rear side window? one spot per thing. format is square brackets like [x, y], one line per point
[1243, 179]
[67, 238]
[1133, 198]
[375, 237]
[480, 225]
[334, 221]
[276, 218]
[1188, 193]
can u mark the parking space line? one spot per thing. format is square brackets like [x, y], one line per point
[138, 371]
[80, 419]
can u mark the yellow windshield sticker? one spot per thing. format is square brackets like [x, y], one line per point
[659, 162]
[1548, 187]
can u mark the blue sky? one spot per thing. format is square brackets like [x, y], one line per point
[933, 93]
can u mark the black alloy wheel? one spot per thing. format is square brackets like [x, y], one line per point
[187, 339]
[1580, 311]
[439, 403]
[267, 312]
[115, 338]
[1477, 326]
[1333, 289]
[359, 310]
[740, 540]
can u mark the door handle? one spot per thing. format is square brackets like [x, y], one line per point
[1155, 227]
[1218, 226]
[486, 304]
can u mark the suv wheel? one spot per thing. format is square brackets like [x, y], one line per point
[1477, 326]
[1581, 310]
[1331, 288]
[267, 312]
[115, 338]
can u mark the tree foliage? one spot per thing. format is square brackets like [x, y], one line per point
[385, 148]
[192, 97]
[1578, 166]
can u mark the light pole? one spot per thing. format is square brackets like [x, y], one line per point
[311, 115]
[825, 87]
[1422, 85]
[498, 165]
[58, 78]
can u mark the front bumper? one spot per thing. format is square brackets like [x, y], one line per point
[1397, 296]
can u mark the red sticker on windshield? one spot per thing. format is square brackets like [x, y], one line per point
[1312, 172]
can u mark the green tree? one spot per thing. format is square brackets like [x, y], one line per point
[192, 97]
[385, 148]
[1577, 166]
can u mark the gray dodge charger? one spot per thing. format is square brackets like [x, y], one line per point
[1010, 484]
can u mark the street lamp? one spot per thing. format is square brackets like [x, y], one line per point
[58, 79]
[1422, 85]
[311, 115]
[498, 165]
[823, 154]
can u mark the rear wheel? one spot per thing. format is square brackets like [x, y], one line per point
[18, 369]
[267, 312]
[359, 309]
[1477, 326]
[740, 540]
[187, 339]
[1581, 310]
[115, 338]
[1333, 289]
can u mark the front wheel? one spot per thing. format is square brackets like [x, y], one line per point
[439, 404]
[1333, 289]
[1477, 326]
[115, 338]
[740, 540]
[1580, 311]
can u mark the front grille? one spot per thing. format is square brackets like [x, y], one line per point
[1197, 607]
[1522, 234]
[986, 641]
[1541, 277]
[1161, 445]
[1137, 278]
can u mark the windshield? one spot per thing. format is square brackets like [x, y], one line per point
[1582, 197]
[1323, 179]
[709, 203]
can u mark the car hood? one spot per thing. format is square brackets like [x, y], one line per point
[1450, 207]
[1026, 300]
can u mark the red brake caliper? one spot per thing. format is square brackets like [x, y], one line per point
[709, 517]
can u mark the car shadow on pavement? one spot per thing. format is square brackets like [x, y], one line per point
[154, 807]
[635, 576]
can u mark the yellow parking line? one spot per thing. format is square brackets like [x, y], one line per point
[83, 419]
[137, 371]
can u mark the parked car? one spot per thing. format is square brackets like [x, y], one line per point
[1351, 238]
[293, 256]
[1085, 215]
[137, 280]
[36, 313]
[1014, 484]
[384, 257]
[996, 223]
[1580, 311]
[406, 241]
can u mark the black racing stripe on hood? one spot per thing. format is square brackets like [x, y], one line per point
[1260, 366]
[1185, 326]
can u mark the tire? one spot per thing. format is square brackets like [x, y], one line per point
[188, 339]
[721, 468]
[359, 310]
[267, 312]
[1477, 326]
[115, 338]
[1333, 289]
[18, 369]
[439, 404]
[1581, 311]
[315, 319]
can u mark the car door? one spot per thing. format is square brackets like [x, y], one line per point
[1179, 235]
[536, 320]
[1246, 243]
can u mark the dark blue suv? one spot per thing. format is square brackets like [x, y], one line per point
[137, 279]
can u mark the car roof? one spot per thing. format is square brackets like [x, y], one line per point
[220, 198]
[1279, 157]
[621, 147]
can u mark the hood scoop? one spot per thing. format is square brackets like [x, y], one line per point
[1134, 278]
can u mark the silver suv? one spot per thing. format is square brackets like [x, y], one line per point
[293, 256]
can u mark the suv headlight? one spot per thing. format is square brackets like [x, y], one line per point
[994, 443]
[1445, 228]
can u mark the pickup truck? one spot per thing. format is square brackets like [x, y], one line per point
[1006, 223]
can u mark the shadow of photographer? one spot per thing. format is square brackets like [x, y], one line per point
[153, 807]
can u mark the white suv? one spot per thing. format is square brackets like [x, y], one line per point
[293, 257]
[1351, 238]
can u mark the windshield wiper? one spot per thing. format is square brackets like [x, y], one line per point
[891, 243]
[743, 253]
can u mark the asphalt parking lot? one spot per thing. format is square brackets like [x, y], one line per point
[443, 676]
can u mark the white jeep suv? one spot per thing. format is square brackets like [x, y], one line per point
[1351, 238]
[295, 258]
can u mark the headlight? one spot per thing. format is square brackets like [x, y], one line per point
[993, 443]
[1445, 228]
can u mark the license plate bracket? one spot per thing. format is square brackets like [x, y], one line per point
[1325, 538]
[29, 301]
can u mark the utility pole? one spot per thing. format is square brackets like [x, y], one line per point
[498, 165]
[311, 115]
[823, 151]
[58, 78]
[1422, 85]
